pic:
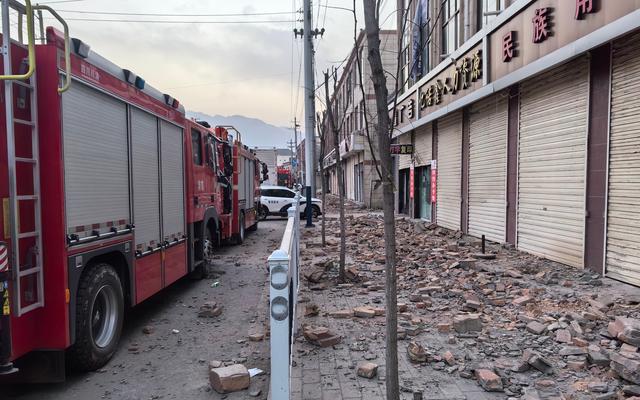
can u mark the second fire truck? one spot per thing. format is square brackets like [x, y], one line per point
[109, 195]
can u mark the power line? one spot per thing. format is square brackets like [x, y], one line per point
[149, 21]
[174, 15]
[227, 82]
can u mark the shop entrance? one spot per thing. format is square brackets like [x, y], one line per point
[423, 191]
[403, 193]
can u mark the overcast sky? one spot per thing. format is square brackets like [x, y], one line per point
[246, 69]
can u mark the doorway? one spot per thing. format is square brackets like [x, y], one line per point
[423, 198]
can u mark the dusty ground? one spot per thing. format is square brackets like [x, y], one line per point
[521, 302]
[167, 365]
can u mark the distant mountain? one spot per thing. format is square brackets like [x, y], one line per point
[255, 132]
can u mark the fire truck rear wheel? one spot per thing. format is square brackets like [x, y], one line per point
[241, 230]
[99, 317]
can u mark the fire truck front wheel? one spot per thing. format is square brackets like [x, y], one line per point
[99, 317]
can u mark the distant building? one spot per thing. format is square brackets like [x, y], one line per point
[273, 157]
[353, 113]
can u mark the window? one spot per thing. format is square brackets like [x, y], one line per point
[489, 9]
[284, 193]
[450, 26]
[211, 152]
[196, 147]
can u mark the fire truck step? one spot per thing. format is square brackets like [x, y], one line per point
[23, 122]
[24, 84]
[26, 160]
[28, 235]
[27, 197]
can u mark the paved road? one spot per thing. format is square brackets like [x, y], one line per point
[174, 365]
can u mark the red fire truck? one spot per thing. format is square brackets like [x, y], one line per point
[109, 195]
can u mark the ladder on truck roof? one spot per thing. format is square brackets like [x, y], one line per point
[26, 243]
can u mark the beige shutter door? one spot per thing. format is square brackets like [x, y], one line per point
[623, 214]
[488, 168]
[449, 171]
[552, 157]
[404, 161]
[423, 145]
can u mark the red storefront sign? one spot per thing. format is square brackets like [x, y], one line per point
[411, 182]
[434, 185]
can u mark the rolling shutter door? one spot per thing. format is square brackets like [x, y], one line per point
[423, 151]
[404, 161]
[172, 181]
[449, 171]
[623, 214]
[96, 161]
[552, 157]
[488, 168]
[146, 179]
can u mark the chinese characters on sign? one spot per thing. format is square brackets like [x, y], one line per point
[434, 193]
[411, 182]
[584, 7]
[400, 114]
[469, 70]
[401, 149]
[541, 25]
[508, 46]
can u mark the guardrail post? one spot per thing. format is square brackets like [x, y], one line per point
[279, 310]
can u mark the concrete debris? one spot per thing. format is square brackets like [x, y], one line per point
[489, 380]
[367, 370]
[210, 310]
[520, 325]
[320, 336]
[229, 379]
[416, 352]
[467, 323]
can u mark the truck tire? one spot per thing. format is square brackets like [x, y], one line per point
[99, 317]
[241, 230]
[264, 213]
[315, 211]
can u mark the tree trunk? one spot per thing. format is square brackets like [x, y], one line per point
[323, 183]
[336, 148]
[383, 129]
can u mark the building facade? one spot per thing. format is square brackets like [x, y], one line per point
[525, 123]
[354, 111]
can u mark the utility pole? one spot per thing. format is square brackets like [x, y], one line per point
[292, 158]
[309, 103]
[295, 135]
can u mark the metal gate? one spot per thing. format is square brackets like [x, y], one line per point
[488, 168]
[404, 161]
[423, 146]
[449, 171]
[623, 212]
[552, 163]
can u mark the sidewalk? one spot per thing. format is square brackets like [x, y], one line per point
[520, 325]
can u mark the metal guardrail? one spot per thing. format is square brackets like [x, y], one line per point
[283, 296]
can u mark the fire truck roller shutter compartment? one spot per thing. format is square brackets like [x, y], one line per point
[95, 161]
[146, 180]
[242, 179]
[173, 213]
[172, 182]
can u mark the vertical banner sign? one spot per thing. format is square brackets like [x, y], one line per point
[434, 190]
[411, 182]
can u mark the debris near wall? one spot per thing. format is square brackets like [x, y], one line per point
[516, 324]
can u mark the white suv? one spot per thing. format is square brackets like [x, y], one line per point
[276, 200]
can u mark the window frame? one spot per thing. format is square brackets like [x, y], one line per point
[195, 132]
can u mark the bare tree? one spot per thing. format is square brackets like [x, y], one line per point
[321, 125]
[335, 130]
[383, 132]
